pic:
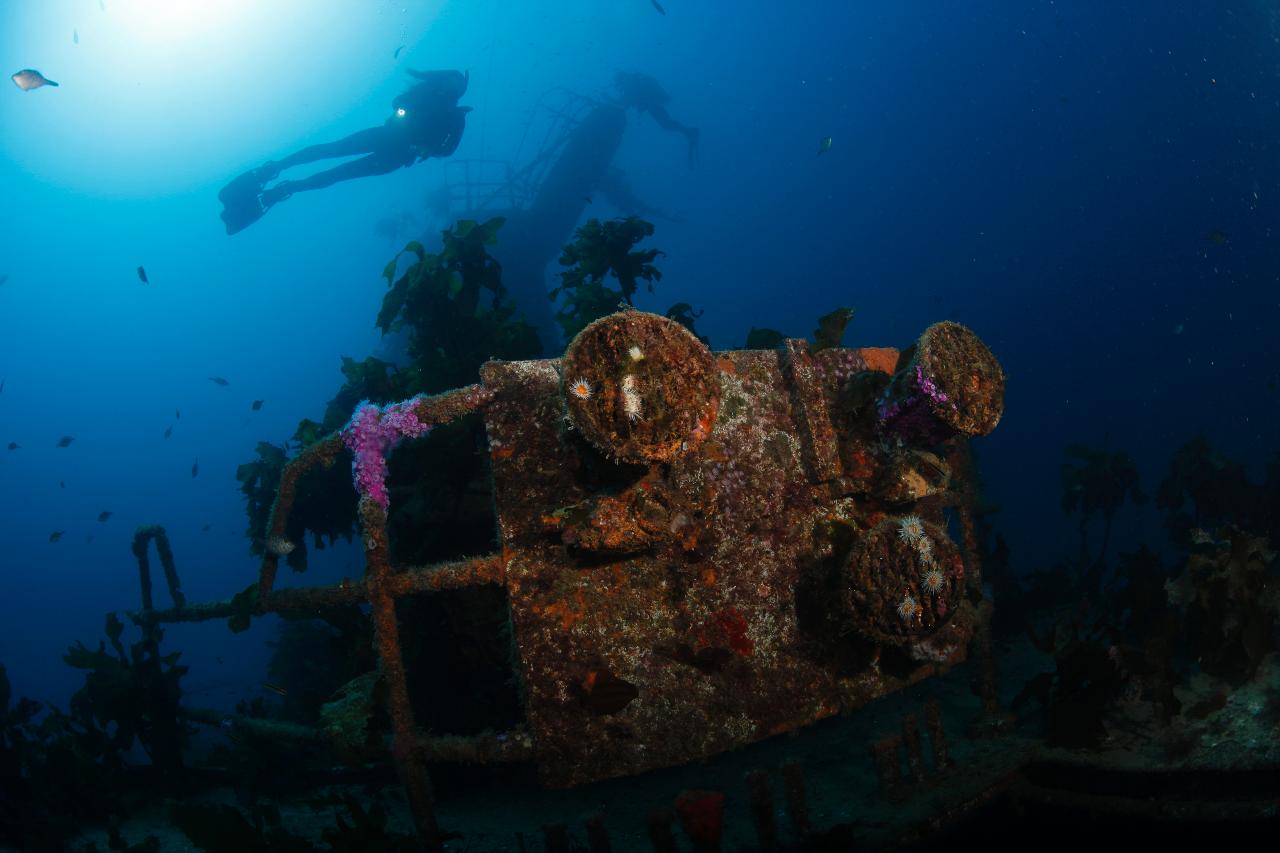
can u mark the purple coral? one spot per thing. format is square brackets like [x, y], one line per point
[928, 387]
[371, 435]
[913, 416]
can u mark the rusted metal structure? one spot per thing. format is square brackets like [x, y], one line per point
[700, 550]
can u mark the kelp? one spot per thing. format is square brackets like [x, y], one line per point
[441, 301]
[828, 335]
[1202, 489]
[135, 696]
[683, 313]
[259, 481]
[601, 250]
[1096, 482]
[764, 339]
[831, 328]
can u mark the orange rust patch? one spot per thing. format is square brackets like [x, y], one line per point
[706, 421]
[714, 452]
[883, 359]
[726, 366]
[734, 625]
[569, 613]
[860, 465]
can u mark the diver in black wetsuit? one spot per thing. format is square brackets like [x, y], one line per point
[426, 122]
[641, 92]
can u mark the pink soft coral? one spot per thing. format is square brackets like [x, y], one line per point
[371, 435]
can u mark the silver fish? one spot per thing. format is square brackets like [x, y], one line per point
[280, 546]
[28, 79]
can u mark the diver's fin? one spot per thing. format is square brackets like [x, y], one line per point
[240, 204]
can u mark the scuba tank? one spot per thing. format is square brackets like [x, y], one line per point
[445, 85]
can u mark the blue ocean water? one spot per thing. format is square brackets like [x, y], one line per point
[1092, 188]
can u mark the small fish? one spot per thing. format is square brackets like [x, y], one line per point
[142, 275]
[88, 540]
[1, 380]
[396, 55]
[1177, 330]
[104, 515]
[218, 380]
[168, 431]
[195, 468]
[1218, 237]
[75, 36]
[218, 659]
[206, 528]
[102, 5]
[824, 144]
[13, 445]
[29, 78]
[62, 484]
[4, 277]
[587, 199]
[56, 535]
[257, 405]
[66, 440]
[658, 6]
[275, 688]
[177, 414]
[280, 546]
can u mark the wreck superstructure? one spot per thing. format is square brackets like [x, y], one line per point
[700, 550]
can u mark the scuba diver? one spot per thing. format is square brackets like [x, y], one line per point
[643, 93]
[426, 122]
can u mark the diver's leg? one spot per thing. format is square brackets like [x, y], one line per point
[691, 133]
[374, 164]
[360, 142]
